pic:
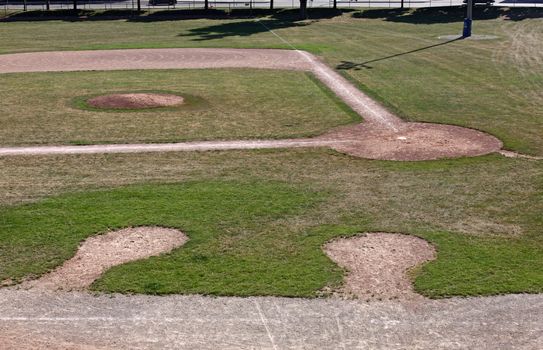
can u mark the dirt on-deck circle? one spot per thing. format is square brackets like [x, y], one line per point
[99, 253]
[413, 141]
[377, 264]
[135, 101]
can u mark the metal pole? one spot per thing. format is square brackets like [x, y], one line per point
[468, 20]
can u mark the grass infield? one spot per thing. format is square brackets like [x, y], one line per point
[220, 104]
[394, 55]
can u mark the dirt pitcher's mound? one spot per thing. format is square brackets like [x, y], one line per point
[99, 253]
[135, 101]
[413, 141]
[377, 264]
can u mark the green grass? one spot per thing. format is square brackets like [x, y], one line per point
[264, 237]
[257, 219]
[234, 245]
[478, 266]
[220, 104]
[395, 55]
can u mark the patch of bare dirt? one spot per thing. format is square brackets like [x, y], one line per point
[99, 253]
[377, 264]
[412, 141]
[135, 101]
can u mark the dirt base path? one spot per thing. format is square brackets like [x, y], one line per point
[382, 136]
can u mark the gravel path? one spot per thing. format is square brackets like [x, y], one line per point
[83, 321]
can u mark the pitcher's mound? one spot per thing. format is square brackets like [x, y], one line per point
[135, 101]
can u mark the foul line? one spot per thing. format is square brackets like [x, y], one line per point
[324, 71]
[263, 319]
[277, 35]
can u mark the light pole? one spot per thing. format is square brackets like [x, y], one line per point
[468, 20]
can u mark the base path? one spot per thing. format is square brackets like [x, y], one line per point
[381, 136]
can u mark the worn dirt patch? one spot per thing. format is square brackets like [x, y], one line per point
[99, 253]
[377, 264]
[412, 141]
[135, 101]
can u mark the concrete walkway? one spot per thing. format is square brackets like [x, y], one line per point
[83, 321]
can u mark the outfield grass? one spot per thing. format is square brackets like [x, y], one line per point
[257, 219]
[395, 56]
[49, 108]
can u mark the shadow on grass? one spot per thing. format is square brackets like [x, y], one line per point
[240, 29]
[285, 15]
[276, 20]
[448, 14]
[348, 65]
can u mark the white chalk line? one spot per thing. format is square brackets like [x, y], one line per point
[265, 323]
[340, 332]
[317, 67]
[277, 35]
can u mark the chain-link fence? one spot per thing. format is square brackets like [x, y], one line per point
[151, 5]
